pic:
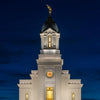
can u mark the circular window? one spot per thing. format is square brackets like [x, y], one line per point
[49, 74]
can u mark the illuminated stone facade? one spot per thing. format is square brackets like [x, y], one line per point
[50, 82]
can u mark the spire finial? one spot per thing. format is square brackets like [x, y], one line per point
[50, 9]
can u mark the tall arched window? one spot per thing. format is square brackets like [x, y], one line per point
[26, 96]
[49, 93]
[73, 96]
[49, 41]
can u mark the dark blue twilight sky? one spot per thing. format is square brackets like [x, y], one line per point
[20, 25]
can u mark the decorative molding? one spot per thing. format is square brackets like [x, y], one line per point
[34, 73]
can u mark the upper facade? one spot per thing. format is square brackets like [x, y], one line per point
[50, 82]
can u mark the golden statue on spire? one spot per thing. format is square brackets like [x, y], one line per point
[50, 9]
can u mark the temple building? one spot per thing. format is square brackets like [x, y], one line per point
[50, 82]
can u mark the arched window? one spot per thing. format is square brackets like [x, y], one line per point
[49, 93]
[73, 96]
[26, 96]
[49, 41]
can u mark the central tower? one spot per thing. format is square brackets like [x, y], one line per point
[49, 61]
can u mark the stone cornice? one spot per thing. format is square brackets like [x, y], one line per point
[74, 86]
[25, 86]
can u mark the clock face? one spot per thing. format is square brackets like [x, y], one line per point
[49, 74]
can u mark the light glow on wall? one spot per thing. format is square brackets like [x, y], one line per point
[73, 96]
[26, 96]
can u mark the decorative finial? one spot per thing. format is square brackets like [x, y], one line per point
[50, 9]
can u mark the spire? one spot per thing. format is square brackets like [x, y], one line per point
[50, 36]
[49, 23]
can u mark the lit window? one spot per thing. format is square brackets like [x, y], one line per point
[49, 93]
[73, 96]
[49, 41]
[26, 96]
